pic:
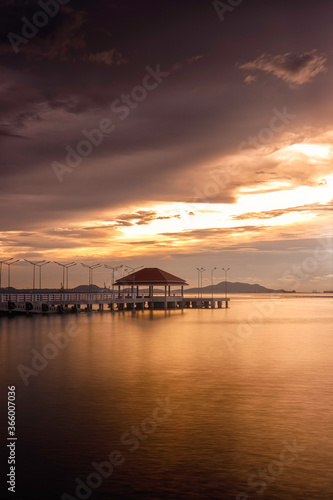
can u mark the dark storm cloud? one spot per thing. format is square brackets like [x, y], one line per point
[60, 39]
[153, 148]
[8, 133]
[69, 36]
[108, 57]
[295, 69]
[22, 120]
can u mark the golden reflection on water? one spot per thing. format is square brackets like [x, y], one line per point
[236, 407]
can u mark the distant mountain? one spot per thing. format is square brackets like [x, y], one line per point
[86, 289]
[235, 288]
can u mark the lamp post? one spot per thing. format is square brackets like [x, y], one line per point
[211, 274]
[71, 264]
[3, 262]
[34, 264]
[133, 269]
[200, 271]
[225, 280]
[8, 278]
[65, 268]
[40, 272]
[201, 280]
[115, 268]
[91, 270]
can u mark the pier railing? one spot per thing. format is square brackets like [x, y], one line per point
[59, 302]
[98, 298]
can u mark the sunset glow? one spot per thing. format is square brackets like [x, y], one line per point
[165, 154]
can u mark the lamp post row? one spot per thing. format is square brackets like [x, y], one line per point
[91, 268]
[200, 272]
[65, 267]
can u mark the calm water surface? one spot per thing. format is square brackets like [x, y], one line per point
[248, 391]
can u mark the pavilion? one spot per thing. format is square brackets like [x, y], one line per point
[151, 277]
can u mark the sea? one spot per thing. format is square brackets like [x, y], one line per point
[188, 404]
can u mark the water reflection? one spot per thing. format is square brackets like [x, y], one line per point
[235, 410]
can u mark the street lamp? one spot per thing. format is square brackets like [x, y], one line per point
[113, 271]
[200, 271]
[71, 264]
[211, 274]
[34, 264]
[91, 270]
[225, 280]
[40, 272]
[3, 262]
[201, 280]
[8, 279]
[133, 270]
[65, 268]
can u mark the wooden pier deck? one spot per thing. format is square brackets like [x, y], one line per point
[39, 303]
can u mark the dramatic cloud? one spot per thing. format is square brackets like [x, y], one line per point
[188, 61]
[198, 167]
[292, 68]
[8, 133]
[107, 57]
[315, 208]
[65, 40]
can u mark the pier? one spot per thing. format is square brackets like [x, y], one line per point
[126, 297]
[39, 303]
[72, 302]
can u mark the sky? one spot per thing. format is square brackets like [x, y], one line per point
[178, 135]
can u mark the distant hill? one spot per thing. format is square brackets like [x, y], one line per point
[235, 288]
[85, 289]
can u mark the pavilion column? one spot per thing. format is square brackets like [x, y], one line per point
[118, 291]
[152, 296]
[182, 290]
[165, 298]
[169, 290]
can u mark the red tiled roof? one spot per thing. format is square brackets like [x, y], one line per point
[150, 276]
